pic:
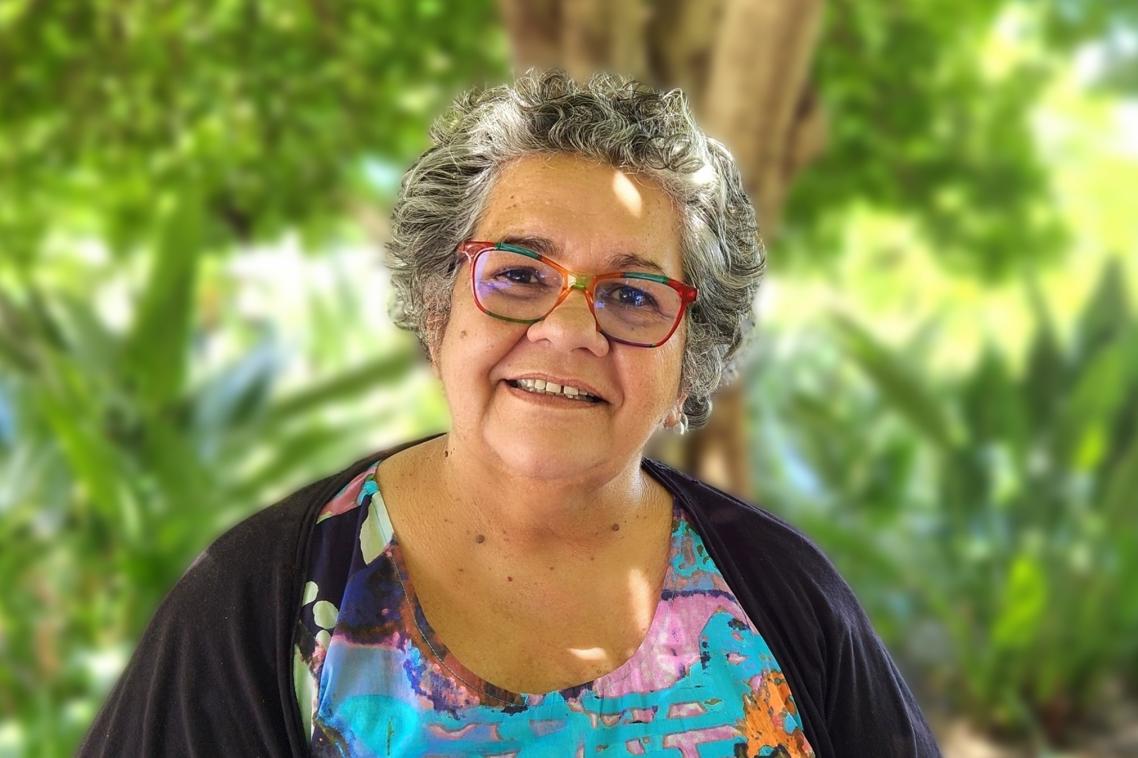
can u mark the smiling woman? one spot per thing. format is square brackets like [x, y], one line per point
[579, 263]
[574, 206]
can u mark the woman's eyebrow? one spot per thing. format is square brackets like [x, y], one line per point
[618, 262]
[542, 245]
[631, 261]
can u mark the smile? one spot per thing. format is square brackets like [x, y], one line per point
[542, 387]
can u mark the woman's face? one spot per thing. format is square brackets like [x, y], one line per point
[587, 216]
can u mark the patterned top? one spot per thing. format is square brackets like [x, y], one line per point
[373, 678]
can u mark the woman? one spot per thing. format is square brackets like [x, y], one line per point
[579, 264]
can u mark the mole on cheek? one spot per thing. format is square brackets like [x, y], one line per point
[462, 334]
[480, 538]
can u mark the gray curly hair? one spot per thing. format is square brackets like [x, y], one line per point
[610, 119]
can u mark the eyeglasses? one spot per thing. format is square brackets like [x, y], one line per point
[513, 283]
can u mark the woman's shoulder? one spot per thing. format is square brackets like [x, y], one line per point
[275, 533]
[275, 538]
[747, 533]
[845, 683]
[252, 568]
[198, 679]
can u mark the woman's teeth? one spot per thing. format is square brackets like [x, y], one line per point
[542, 387]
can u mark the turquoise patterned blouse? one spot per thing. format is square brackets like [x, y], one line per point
[374, 680]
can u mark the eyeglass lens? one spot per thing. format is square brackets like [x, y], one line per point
[516, 287]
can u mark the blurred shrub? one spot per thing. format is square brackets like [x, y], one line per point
[987, 520]
[254, 117]
[108, 487]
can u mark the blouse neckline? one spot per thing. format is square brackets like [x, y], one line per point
[449, 662]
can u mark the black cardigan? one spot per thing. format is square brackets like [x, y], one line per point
[213, 673]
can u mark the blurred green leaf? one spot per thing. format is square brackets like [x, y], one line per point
[909, 395]
[1023, 604]
[1046, 369]
[156, 351]
[992, 405]
[1120, 490]
[1104, 383]
[1107, 312]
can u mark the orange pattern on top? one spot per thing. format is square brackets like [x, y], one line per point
[764, 718]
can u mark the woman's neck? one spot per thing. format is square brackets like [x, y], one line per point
[538, 516]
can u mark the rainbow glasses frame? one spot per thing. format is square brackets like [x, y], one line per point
[573, 280]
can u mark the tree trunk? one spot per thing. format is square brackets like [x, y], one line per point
[744, 65]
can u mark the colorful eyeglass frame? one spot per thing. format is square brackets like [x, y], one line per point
[587, 283]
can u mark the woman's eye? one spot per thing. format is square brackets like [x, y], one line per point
[634, 298]
[519, 275]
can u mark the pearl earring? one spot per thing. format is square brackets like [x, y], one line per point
[680, 425]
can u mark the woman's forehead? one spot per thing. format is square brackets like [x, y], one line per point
[573, 208]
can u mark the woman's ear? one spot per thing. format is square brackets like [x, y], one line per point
[676, 412]
[680, 400]
[677, 420]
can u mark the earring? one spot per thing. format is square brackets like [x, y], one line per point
[680, 425]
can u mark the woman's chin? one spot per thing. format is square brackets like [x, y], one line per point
[546, 455]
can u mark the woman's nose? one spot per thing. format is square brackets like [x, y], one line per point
[571, 325]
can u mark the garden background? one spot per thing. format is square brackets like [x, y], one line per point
[943, 391]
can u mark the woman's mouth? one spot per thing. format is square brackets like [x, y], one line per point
[552, 389]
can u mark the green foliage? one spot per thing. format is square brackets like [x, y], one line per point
[1015, 493]
[115, 465]
[921, 121]
[260, 114]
